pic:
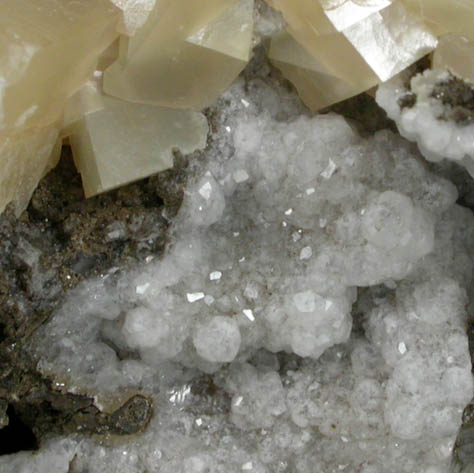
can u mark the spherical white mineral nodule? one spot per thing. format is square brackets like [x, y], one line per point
[144, 329]
[218, 339]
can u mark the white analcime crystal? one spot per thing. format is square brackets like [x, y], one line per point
[217, 340]
[242, 332]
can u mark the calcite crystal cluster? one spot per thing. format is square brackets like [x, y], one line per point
[48, 49]
[172, 59]
[308, 314]
[178, 54]
[334, 49]
[203, 46]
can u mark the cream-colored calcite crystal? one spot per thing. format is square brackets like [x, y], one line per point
[26, 157]
[186, 54]
[125, 142]
[445, 16]
[48, 49]
[306, 17]
[456, 53]
[316, 86]
[360, 44]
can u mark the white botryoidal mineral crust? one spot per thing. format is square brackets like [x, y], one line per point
[425, 122]
[239, 297]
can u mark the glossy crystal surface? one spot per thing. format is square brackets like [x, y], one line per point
[374, 48]
[186, 54]
[48, 49]
[125, 142]
[332, 65]
[316, 85]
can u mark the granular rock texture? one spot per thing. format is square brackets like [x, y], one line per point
[309, 313]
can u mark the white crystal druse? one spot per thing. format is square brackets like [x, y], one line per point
[319, 278]
[431, 120]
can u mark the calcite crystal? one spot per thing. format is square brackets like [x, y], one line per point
[186, 54]
[316, 85]
[360, 45]
[48, 50]
[46, 46]
[124, 142]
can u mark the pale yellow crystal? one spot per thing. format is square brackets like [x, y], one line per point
[88, 99]
[455, 53]
[48, 49]
[445, 16]
[305, 18]
[390, 40]
[186, 54]
[26, 157]
[314, 83]
[128, 141]
[384, 40]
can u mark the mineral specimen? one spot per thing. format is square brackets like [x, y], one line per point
[309, 312]
[292, 232]
[186, 54]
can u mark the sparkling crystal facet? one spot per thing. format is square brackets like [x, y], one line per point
[373, 49]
